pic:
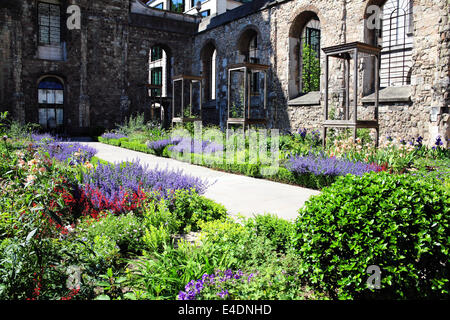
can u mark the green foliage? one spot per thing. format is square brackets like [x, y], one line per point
[132, 125]
[162, 275]
[192, 209]
[311, 70]
[398, 223]
[277, 230]
[125, 230]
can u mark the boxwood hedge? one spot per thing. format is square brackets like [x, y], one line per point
[396, 222]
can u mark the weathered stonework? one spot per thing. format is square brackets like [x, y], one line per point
[106, 61]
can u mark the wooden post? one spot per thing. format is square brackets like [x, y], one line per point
[377, 96]
[190, 98]
[201, 99]
[347, 89]
[182, 99]
[325, 112]
[355, 81]
[173, 100]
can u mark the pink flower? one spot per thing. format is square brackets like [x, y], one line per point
[31, 178]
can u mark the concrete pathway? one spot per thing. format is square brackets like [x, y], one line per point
[239, 194]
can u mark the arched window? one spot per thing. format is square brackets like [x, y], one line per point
[51, 102]
[304, 54]
[209, 70]
[158, 70]
[394, 33]
[248, 48]
[310, 56]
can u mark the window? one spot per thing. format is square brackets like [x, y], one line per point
[205, 13]
[159, 6]
[158, 70]
[194, 2]
[157, 53]
[395, 36]
[177, 6]
[156, 79]
[396, 39]
[51, 103]
[253, 57]
[49, 20]
[310, 56]
[208, 57]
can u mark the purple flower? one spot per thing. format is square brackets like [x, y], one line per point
[302, 133]
[438, 142]
[188, 145]
[322, 165]
[194, 288]
[116, 181]
[39, 137]
[223, 293]
[113, 135]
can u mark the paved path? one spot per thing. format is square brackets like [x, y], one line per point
[239, 194]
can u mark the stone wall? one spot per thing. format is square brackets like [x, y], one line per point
[105, 65]
[341, 22]
[107, 61]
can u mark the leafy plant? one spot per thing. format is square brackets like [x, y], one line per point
[398, 223]
[311, 70]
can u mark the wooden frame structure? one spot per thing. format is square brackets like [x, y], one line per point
[191, 80]
[347, 52]
[154, 100]
[248, 69]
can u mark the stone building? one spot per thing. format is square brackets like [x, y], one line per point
[88, 79]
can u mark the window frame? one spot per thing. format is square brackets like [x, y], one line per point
[49, 26]
[53, 106]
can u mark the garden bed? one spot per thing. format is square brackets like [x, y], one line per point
[73, 227]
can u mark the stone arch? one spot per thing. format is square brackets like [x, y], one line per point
[299, 21]
[246, 35]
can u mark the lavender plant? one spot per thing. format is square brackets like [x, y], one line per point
[114, 180]
[113, 135]
[322, 165]
[215, 285]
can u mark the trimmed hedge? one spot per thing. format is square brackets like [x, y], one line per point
[396, 222]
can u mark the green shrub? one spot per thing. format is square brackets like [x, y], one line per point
[125, 230]
[191, 208]
[398, 223]
[277, 230]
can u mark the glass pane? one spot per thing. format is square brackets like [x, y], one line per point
[59, 117]
[44, 20]
[59, 97]
[51, 118]
[42, 96]
[44, 34]
[43, 117]
[50, 96]
[55, 35]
